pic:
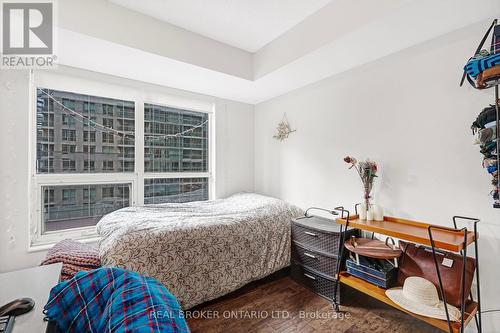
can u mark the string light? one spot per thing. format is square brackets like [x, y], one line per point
[160, 136]
[95, 125]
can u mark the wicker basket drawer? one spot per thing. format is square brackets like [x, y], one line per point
[315, 239]
[312, 259]
[314, 281]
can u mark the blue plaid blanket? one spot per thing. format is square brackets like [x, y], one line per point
[114, 300]
[478, 65]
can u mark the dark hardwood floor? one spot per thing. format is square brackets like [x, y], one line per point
[281, 305]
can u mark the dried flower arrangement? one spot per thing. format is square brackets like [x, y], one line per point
[367, 171]
[283, 130]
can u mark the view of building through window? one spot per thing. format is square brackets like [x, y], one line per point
[161, 190]
[68, 143]
[100, 139]
[76, 206]
[187, 153]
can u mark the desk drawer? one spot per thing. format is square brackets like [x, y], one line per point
[315, 260]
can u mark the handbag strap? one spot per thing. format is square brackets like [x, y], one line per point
[401, 259]
[479, 47]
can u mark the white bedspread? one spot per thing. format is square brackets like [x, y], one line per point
[200, 250]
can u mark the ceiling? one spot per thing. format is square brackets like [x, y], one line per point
[245, 24]
[342, 35]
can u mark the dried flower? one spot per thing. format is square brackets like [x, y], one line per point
[367, 171]
[283, 130]
[350, 160]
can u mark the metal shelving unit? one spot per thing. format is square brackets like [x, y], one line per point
[497, 107]
[437, 238]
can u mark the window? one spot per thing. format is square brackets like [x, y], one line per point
[67, 149]
[89, 165]
[107, 109]
[90, 194]
[187, 153]
[45, 120]
[108, 192]
[89, 136]
[68, 103]
[45, 134]
[74, 139]
[68, 196]
[68, 135]
[49, 198]
[127, 165]
[108, 149]
[68, 165]
[89, 121]
[68, 120]
[107, 122]
[77, 206]
[108, 165]
[125, 125]
[108, 138]
[89, 149]
[166, 153]
[64, 148]
[88, 107]
[175, 190]
[86, 157]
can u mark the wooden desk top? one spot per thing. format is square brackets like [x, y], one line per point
[35, 283]
[412, 231]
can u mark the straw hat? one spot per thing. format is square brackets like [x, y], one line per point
[420, 296]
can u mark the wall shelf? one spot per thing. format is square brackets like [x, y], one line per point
[412, 231]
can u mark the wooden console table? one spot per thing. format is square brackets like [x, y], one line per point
[437, 237]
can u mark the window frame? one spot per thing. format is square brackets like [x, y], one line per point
[96, 85]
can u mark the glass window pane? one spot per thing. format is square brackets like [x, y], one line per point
[163, 190]
[185, 153]
[76, 206]
[95, 135]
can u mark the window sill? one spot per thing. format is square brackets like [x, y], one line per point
[47, 246]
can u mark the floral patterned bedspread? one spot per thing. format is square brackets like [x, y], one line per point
[200, 250]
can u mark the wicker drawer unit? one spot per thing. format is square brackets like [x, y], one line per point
[313, 238]
[319, 261]
[315, 245]
[315, 281]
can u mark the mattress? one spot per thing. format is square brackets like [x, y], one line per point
[200, 250]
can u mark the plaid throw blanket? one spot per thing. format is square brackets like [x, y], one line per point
[75, 257]
[114, 300]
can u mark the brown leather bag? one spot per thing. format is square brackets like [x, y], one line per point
[418, 261]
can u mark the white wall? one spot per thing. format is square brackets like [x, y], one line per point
[234, 156]
[406, 112]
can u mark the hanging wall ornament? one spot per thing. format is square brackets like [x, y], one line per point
[283, 130]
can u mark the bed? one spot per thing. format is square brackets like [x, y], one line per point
[200, 250]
